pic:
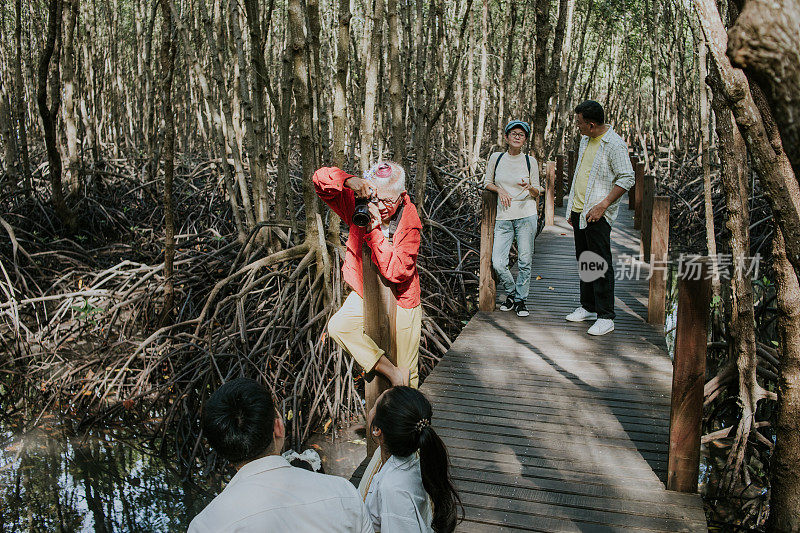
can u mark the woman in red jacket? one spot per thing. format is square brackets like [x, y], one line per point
[393, 235]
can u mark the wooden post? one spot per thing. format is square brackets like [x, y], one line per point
[659, 250]
[688, 378]
[380, 311]
[560, 180]
[549, 199]
[632, 190]
[487, 293]
[570, 169]
[647, 215]
[639, 173]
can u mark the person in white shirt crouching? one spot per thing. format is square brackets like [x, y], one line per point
[267, 494]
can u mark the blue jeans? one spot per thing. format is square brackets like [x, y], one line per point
[524, 229]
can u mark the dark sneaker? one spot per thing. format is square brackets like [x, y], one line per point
[520, 308]
[508, 305]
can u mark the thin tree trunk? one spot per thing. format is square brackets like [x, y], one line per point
[340, 84]
[302, 96]
[742, 322]
[396, 85]
[484, 81]
[20, 101]
[371, 62]
[49, 114]
[785, 463]
[167, 74]
[711, 239]
[70, 119]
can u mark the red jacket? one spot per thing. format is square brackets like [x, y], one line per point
[397, 262]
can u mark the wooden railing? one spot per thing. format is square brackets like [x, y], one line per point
[651, 217]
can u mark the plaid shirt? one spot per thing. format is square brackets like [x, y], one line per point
[612, 166]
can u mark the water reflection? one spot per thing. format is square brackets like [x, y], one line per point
[52, 481]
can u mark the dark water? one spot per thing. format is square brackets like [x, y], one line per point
[51, 481]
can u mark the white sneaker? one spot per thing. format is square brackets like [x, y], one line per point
[601, 327]
[581, 314]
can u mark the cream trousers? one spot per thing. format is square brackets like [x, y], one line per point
[346, 327]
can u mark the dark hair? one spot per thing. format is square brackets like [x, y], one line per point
[238, 420]
[591, 111]
[403, 415]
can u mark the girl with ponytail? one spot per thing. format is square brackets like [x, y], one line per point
[406, 486]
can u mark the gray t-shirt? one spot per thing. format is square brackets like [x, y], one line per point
[507, 174]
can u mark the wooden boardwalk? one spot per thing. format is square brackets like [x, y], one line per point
[551, 429]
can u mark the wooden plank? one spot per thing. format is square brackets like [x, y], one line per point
[549, 199]
[380, 309]
[659, 249]
[487, 291]
[686, 413]
[550, 429]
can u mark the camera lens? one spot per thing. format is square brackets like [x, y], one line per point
[361, 216]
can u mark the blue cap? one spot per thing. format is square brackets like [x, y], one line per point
[518, 124]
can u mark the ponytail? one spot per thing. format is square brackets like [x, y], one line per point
[404, 415]
[434, 466]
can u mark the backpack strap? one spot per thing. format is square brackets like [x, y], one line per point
[527, 162]
[499, 157]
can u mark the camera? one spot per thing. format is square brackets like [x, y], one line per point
[361, 215]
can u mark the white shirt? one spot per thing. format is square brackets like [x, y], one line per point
[507, 174]
[270, 495]
[395, 498]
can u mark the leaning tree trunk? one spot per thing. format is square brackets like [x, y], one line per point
[765, 41]
[167, 73]
[49, 114]
[768, 158]
[741, 329]
[785, 464]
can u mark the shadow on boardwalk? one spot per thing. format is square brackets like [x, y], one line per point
[550, 429]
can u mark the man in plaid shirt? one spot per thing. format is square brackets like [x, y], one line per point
[602, 176]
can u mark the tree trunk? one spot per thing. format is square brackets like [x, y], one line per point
[50, 114]
[340, 84]
[546, 69]
[765, 41]
[70, 119]
[396, 86]
[785, 464]
[20, 101]
[167, 74]
[711, 239]
[484, 81]
[371, 62]
[741, 329]
[302, 97]
[768, 158]
[256, 131]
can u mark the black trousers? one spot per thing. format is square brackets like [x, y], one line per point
[598, 295]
